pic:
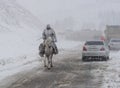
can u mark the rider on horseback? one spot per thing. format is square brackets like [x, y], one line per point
[49, 32]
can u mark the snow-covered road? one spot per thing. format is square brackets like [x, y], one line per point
[112, 72]
[69, 72]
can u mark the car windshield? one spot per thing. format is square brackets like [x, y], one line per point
[115, 40]
[94, 43]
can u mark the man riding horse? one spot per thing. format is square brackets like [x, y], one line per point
[49, 32]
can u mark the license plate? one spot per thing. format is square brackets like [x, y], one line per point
[93, 49]
[92, 54]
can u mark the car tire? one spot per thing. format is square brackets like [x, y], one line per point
[108, 58]
[109, 47]
[83, 58]
[105, 58]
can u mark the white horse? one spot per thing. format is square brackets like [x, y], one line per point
[48, 53]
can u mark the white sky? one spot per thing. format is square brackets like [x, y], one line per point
[95, 12]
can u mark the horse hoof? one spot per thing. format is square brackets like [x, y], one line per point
[45, 66]
[48, 68]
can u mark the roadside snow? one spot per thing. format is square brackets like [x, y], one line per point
[112, 73]
[17, 50]
[18, 64]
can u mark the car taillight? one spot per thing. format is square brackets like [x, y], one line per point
[102, 49]
[84, 48]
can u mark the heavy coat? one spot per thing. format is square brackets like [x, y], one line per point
[49, 33]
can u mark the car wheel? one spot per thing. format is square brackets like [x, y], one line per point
[105, 58]
[108, 58]
[109, 47]
[83, 58]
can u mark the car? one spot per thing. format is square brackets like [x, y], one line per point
[114, 44]
[95, 49]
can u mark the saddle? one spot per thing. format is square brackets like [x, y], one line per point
[42, 50]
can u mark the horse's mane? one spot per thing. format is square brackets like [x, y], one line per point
[48, 41]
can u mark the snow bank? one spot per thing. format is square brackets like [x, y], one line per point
[17, 50]
[10, 66]
[111, 74]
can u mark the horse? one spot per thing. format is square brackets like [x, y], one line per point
[49, 51]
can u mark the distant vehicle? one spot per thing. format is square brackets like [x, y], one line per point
[114, 44]
[112, 31]
[96, 49]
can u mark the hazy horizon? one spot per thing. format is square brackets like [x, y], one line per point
[85, 13]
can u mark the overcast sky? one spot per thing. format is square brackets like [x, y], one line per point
[84, 11]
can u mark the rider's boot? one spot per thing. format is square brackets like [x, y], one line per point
[56, 50]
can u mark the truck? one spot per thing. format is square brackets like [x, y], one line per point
[112, 31]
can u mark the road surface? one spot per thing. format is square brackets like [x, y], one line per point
[69, 71]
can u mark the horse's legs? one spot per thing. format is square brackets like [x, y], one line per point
[45, 61]
[51, 60]
[49, 63]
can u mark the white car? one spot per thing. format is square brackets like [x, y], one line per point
[114, 44]
[95, 49]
